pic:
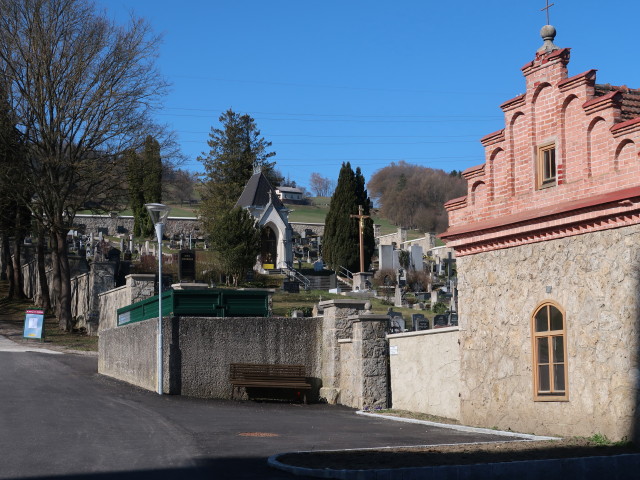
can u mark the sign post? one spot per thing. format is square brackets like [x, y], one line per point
[34, 324]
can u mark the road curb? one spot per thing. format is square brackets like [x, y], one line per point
[614, 467]
[460, 428]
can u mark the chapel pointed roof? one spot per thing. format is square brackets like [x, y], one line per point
[258, 192]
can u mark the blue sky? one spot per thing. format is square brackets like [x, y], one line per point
[368, 82]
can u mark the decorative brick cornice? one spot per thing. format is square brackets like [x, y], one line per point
[597, 104]
[456, 203]
[602, 222]
[625, 128]
[611, 210]
[584, 78]
[473, 172]
[493, 138]
[516, 102]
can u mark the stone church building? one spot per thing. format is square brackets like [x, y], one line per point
[547, 242]
[261, 199]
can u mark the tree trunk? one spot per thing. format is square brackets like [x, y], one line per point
[17, 267]
[3, 261]
[45, 298]
[6, 254]
[55, 280]
[65, 319]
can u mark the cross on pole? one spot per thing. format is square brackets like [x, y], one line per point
[547, 9]
[361, 216]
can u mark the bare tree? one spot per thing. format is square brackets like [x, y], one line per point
[82, 89]
[321, 186]
[413, 196]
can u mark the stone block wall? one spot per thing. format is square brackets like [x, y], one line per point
[116, 224]
[425, 371]
[201, 350]
[137, 288]
[128, 353]
[345, 353]
[198, 351]
[397, 237]
[594, 278]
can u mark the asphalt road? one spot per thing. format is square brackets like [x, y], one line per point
[60, 419]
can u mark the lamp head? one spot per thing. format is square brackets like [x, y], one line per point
[158, 212]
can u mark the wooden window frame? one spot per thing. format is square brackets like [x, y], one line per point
[552, 395]
[546, 161]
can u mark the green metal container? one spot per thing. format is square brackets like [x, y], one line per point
[199, 303]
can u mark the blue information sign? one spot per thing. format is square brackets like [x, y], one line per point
[34, 324]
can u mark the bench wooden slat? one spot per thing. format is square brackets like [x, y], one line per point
[268, 376]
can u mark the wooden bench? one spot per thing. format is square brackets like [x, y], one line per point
[251, 375]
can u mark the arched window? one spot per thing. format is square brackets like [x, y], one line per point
[549, 354]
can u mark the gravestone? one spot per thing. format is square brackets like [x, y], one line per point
[434, 297]
[396, 259]
[396, 321]
[416, 258]
[440, 321]
[385, 256]
[419, 322]
[187, 266]
[113, 255]
[397, 301]
[291, 286]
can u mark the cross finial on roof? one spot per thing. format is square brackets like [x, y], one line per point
[548, 33]
[547, 9]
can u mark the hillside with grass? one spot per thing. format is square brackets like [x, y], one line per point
[314, 212]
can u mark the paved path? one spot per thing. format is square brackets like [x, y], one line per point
[7, 345]
[60, 419]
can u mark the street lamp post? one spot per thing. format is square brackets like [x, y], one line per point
[159, 213]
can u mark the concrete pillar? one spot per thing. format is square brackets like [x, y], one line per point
[335, 326]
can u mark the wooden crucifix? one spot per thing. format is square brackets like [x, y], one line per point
[361, 216]
[547, 9]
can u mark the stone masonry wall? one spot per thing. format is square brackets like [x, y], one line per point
[425, 372]
[138, 287]
[198, 351]
[398, 237]
[595, 279]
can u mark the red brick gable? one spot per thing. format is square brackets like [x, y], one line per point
[596, 133]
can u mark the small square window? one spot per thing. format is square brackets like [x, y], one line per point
[546, 166]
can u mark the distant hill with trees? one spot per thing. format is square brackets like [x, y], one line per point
[413, 196]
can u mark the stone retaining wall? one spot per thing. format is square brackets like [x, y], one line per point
[198, 351]
[594, 278]
[138, 287]
[114, 224]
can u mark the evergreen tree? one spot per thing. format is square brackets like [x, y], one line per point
[341, 245]
[235, 149]
[236, 239]
[144, 171]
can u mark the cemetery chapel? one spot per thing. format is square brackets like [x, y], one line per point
[547, 242]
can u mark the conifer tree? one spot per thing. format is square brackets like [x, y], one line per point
[235, 149]
[144, 171]
[236, 239]
[341, 243]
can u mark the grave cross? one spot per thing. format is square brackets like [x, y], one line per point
[547, 9]
[361, 216]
